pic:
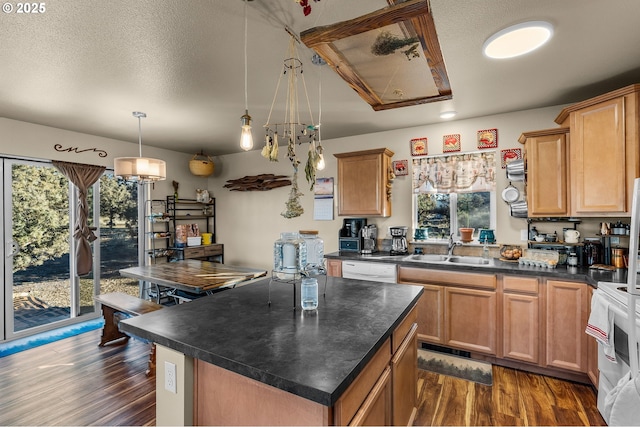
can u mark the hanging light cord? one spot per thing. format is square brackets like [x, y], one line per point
[246, 102]
[140, 134]
[319, 105]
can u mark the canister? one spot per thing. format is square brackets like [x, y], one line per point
[617, 257]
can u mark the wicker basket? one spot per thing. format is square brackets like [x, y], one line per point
[201, 165]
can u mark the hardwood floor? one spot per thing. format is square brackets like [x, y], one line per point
[517, 398]
[75, 382]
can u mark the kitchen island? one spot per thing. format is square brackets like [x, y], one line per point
[240, 360]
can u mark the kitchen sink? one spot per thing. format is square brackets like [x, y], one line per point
[470, 260]
[427, 258]
[445, 259]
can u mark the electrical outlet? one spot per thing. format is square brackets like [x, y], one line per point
[170, 377]
[524, 235]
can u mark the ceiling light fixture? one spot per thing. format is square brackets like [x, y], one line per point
[143, 169]
[317, 60]
[448, 114]
[246, 139]
[518, 39]
[291, 130]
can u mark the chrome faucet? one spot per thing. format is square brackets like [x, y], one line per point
[452, 245]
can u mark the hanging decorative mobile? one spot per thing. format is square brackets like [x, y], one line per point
[291, 130]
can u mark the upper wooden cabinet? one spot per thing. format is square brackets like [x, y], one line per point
[364, 182]
[547, 172]
[603, 152]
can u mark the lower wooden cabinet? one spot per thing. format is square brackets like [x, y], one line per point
[461, 313]
[376, 409]
[566, 322]
[521, 315]
[334, 267]
[404, 369]
[471, 319]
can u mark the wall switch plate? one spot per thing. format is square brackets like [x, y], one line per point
[170, 377]
[524, 235]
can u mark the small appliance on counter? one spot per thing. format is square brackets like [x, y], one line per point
[369, 239]
[398, 240]
[350, 238]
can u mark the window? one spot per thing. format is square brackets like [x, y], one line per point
[440, 213]
[453, 191]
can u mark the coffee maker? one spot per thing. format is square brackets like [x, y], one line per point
[350, 237]
[398, 240]
[369, 239]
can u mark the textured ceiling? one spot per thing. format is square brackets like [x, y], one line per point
[85, 65]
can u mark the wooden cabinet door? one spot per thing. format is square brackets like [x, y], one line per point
[431, 314]
[547, 172]
[376, 409]
[598, 159]
[520, 331]
[471, 319]
[566, 322]
[334, 267]
[363, 178]
[404, 379]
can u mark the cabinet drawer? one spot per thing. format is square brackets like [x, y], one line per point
[403, 329]
[195, 252]
[426, 276]
[520, 284]
[211, 250]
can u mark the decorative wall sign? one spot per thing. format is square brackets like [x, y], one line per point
[509, 155]
[58, 147]
[451, 143]
[488, 138]
[401, 167]
[262, 182]
[419, 147]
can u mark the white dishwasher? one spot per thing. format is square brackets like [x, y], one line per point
[374, 271]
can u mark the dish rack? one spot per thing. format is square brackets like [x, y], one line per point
[540, 258]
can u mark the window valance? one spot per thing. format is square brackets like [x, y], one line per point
[455, 173]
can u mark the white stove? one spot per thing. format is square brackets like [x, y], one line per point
[611, 373]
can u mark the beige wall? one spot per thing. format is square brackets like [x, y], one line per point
[249, 222]
[38, 142]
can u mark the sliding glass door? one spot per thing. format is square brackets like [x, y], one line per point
[41, 289]
[37, 246]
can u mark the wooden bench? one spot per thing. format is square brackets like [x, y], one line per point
[118, 302]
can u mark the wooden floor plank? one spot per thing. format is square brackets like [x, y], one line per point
[75, 382]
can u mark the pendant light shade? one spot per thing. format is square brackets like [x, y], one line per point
[140, 168]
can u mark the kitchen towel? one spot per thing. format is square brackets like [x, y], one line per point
[622, 403]
[600, 324]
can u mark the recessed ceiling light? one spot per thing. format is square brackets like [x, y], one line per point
[518, 39]
[448, 114]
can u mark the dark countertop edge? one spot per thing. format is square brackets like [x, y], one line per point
[582, 274]
[310, 393]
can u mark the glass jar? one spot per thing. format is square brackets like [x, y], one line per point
[289, 253]
[315, 249]
[309, 293]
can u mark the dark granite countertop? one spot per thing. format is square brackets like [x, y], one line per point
[316, 355]
[561, 272]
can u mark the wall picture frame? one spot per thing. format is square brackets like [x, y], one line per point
[400, 167]
[510, 155]
[419, 147]
[488, 138]
[451, 143]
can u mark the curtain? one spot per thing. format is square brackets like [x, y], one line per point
[83, 177]
[458, 173]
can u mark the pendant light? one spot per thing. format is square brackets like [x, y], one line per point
[140, 168]
[246, 139]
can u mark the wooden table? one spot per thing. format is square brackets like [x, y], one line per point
[191, 275]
